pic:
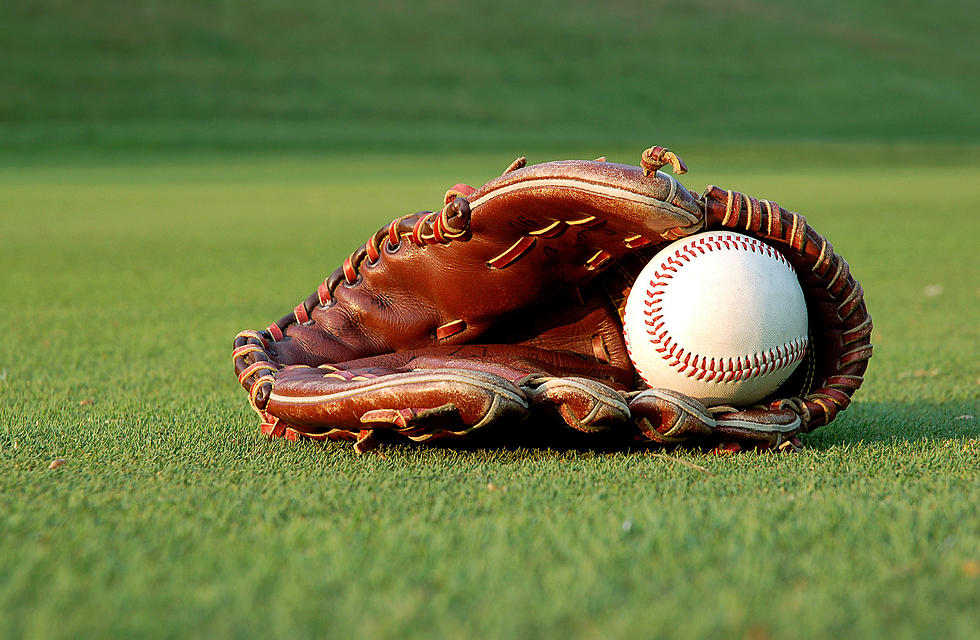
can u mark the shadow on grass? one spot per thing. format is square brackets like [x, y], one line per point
[867, 423]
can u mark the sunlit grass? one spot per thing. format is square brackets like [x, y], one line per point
[124, 283]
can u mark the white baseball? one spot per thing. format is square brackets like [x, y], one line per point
[718, 316]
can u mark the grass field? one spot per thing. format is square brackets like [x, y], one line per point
[306, 74]
[174, 172]
[125, 282]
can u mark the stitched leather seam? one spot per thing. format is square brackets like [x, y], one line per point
[512, 253]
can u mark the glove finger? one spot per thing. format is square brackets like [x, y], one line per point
[419, 404]
[766, 426]
[584, 404]
[557, 201]
[668, 417]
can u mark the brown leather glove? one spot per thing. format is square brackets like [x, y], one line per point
[507, 304]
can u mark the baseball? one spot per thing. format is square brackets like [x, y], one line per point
[718, 316]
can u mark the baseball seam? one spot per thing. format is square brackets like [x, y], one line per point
[703, 368]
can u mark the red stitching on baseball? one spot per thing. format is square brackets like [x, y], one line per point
[725, 370]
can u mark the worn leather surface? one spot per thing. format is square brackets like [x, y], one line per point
[506, 304]
[402, 298]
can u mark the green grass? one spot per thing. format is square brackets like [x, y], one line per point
[124, 283]
[108, 75]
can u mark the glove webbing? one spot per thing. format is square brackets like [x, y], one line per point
[821, 270]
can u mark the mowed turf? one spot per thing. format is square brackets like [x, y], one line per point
[123, 285]
[307, 74]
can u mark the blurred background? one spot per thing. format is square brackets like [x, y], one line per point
[329, 76]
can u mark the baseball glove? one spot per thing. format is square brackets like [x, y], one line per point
[507, 303]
